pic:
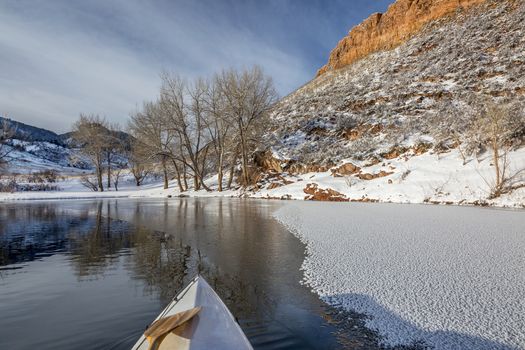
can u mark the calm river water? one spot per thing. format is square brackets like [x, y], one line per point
[94, 274]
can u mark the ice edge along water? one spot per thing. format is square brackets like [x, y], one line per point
[453, 278]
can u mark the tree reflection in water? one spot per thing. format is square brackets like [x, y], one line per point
[95, 249]
[248, 258]
[29, 232]
[96, 242]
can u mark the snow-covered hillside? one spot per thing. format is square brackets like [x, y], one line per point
[34, 149]
[419, 93]
[34, 156]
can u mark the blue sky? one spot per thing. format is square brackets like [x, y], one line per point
[59, 58]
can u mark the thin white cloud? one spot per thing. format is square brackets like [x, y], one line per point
[56, 77]
[61, 58]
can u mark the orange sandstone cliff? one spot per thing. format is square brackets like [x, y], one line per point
[385, 31]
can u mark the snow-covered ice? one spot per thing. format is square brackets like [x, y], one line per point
[453, 277]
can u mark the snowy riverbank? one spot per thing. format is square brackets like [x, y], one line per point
[451, 277]
[427, 178]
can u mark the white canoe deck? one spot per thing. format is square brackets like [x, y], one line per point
[214, 327]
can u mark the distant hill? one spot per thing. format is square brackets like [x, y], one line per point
[39, 149]
[32, 133]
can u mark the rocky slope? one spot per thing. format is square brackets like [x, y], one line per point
[406, 98]
[406, 110]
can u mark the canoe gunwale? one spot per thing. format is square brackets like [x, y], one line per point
[169, 307]
[204, 294]
[177, 298]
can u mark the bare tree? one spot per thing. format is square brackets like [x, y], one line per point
[249, 97]
[205, 125]
[90, 131]
[183, 108]
[114, 146]
[118, 173]
[220, 128]
[88, 182]
[155, 138]
[454, 121]
[139, 164]
[6, 135]
[498, 126]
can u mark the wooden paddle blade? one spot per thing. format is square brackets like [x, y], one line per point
[166, 325]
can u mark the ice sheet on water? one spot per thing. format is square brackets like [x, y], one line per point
[452, 277]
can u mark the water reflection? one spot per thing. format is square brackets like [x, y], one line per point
[32, 232]
[129, 258]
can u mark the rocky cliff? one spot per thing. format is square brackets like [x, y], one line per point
[403, 124]
[385, 31]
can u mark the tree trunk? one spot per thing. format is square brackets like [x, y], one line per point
[219, 169]
[196, 182]
[185, 176]
[232, 168]
[177, 171]
[165, 171]
[230, 178]
[99, 180]
[244, 158]
[495, 154]
[200, 173]
[202, 184]
[108, 159]
[98, 166]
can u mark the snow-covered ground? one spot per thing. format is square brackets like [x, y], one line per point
[71, 188]
[451, 277]
[427, 178]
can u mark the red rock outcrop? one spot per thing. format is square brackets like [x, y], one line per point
[385, 31]
[314, 193]
[367, 176]
[345, 170]
[267, 163]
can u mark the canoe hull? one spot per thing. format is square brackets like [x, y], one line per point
[213, 328]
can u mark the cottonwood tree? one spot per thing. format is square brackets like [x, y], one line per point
[149, 127]
[115, 145]
[249, 96]
[205, 125]
[90, 131]
[118, 173]
[501, 127]
[183, 110]
[139, 164]
[219, 126]
[6, 134]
